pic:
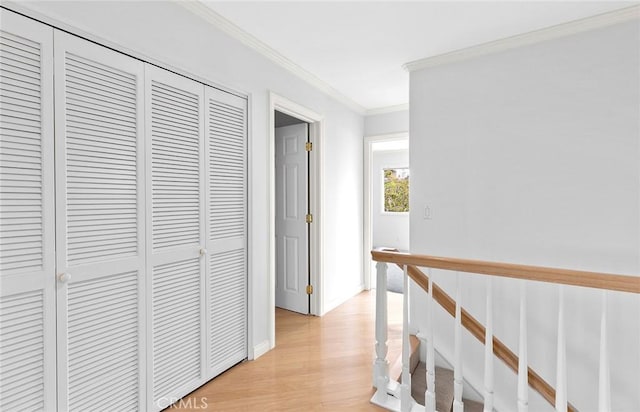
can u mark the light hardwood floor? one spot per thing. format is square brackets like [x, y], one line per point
[319, 364]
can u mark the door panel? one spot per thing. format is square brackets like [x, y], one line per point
[99, 227]
[291, 186]
[103, 337]
[292, 241]
[226, 132]
[175, 168]
[27, 221]
[290, 261]
[176, 327]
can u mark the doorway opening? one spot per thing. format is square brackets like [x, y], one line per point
[386, 223]
[295, 215]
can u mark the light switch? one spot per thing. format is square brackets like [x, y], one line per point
[427, 212]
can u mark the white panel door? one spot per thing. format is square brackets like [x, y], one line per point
[226, 140]
[292, 250]
[176, 224]
[99, 227]
[27, 221]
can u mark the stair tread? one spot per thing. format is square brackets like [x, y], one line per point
[444, 389]
[444, 386]
[472, 406]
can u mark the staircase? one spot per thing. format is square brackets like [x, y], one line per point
[444, 381]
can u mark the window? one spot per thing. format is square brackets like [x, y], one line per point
[396, 190]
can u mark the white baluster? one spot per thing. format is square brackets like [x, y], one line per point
[604, 383]
[381, 365]
[457, 367]
[561, 357]
[488, 350]
[523, 379]
[430, 393]
[405, 389]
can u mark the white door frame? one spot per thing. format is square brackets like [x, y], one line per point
[316, 137]
[368, 156]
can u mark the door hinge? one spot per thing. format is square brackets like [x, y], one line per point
[309, 218]
[308, 146]
[309, 289]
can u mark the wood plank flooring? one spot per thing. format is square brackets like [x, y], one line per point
[319, 364]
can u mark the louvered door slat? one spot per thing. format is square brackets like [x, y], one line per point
[13, 163]
[226, 238]
[96, 352]
[21, 47]
[175, 156]
[227, 310]
[100, 227]
[27, 270]
[121, 164]
[22, 349]
[227, 128]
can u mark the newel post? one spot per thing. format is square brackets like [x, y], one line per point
[381, 365]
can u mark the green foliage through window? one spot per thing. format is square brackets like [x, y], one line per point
[396, 190]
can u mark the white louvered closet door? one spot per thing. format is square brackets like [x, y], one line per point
[99, 227]
[27, 240]
[226, 140]
[175, 221]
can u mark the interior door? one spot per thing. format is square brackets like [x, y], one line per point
[176, 248]
[292, 230]
[100, 253]
[27, 221]
[226, 142]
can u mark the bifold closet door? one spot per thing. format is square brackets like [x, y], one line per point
[176, 225]
[100, 222]
[226, 140]
[27, 261]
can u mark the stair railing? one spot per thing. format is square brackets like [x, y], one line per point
[396, 396]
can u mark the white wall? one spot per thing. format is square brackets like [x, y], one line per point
[169, 33]
[387, 229]
[386, 123]
[532, 155]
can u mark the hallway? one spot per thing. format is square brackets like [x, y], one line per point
[319, 364]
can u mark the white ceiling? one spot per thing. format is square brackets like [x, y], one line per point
[359, 47]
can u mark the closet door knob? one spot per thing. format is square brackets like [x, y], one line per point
[64, 277]
[203, 251]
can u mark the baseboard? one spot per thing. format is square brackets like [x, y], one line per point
[260, 349]
[334, 303]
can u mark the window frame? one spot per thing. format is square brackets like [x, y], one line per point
[382, 192]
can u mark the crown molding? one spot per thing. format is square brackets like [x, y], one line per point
[388, 109]
[536, 36]
[223, 24]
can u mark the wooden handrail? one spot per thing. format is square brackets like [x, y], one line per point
[470, 323]
[622, 283]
